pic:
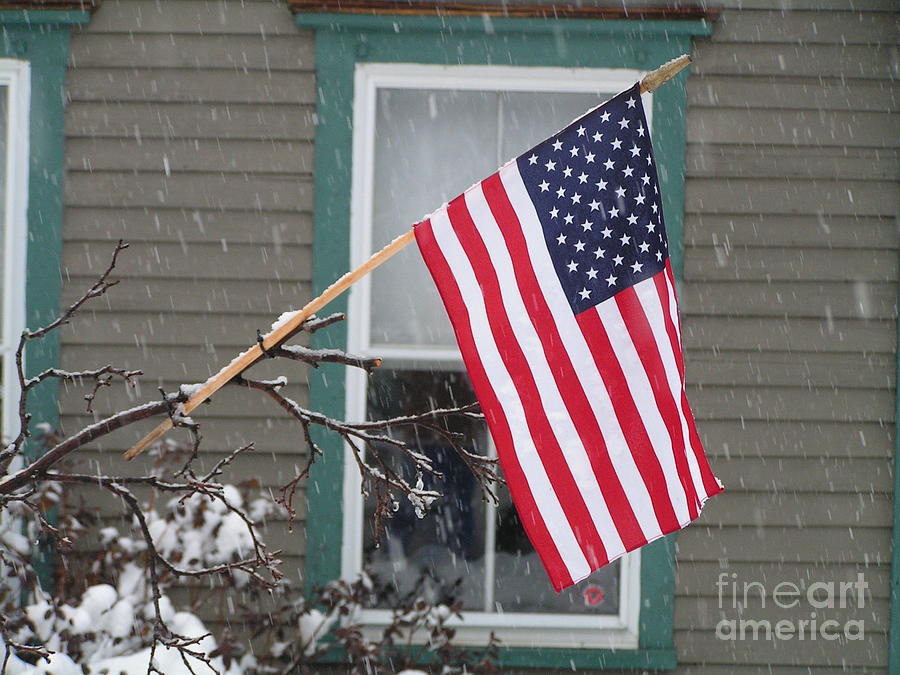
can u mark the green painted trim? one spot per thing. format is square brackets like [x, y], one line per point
[46, 47]
[570, 659]
[894, 642]
[34, 17]
[344, 40]
[491, 25]
[331, 259]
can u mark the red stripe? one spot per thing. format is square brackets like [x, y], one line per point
[642, 336]
[577, 404]
[710, 484]
[517, 366]
[518, 485]
[629, 418]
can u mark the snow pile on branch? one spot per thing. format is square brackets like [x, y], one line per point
[166, 659]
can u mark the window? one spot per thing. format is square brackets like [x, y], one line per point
[14, 100]
[421, 349]
[441, 128]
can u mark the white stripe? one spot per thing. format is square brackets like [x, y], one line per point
[586, 368]
[551, 399]
[673, 309]
[642, 393]
[535, 474]
[650, 301]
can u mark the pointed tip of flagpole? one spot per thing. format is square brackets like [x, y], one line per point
[664, 73]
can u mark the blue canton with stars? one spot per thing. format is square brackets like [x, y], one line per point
[596, 192]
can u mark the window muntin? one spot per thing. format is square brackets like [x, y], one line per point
[404, 113]
[14, 106]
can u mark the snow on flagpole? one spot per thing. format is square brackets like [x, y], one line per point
[290, 323]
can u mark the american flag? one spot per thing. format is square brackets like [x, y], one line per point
[555, 272]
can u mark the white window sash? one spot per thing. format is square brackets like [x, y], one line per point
[16, 76]
[618, 631]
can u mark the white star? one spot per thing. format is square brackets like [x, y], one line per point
[601, 185]
[630, 102]
[604, 117]
[620, 192]
[569, 218]
[632, 219]
[576, 198]
[580, 131]
[554, 212]
[589, 158]
[623, 123]
[599, 253]
[561, 239]
[587, 225]
[640, 131]
[579, 246]
[551, 165]
[649, 159]
[598, 137]
[618, 260]
[646, 179]
[653, 207]
[572, 266]
[595, 205]
[544, 186]
[608, 164]
[651, 226]
[613, 212]
[567, 172]
[574, 151]
[592, 273]
[635, 151]
[645, 247]
[532, 160]
[659, 256]
[617, 144]
[639, 199]
[606, 233]
[561, 192]
[557, 144]
[583, 177]
[628, 171]
[637, 267]
[611, 280]
[625, 239]
[584, 293]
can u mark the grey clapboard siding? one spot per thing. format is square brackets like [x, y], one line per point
[789, 321]
[190, 133]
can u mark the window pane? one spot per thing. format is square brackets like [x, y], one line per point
[447, 546]
[520, 582]
[530, 117]
[429, 147]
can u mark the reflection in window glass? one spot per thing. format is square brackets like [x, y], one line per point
[446, 548]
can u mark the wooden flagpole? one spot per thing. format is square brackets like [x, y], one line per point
[287, 328]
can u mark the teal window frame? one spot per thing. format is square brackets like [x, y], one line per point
[41, 37]
[342, 41]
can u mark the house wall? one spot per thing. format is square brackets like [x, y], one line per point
[189, 133]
